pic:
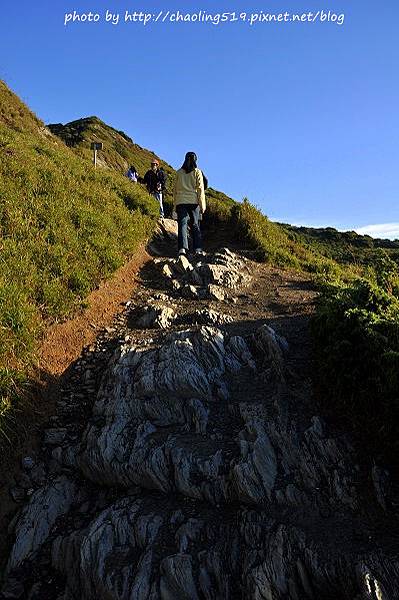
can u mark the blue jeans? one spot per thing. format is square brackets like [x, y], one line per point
[185, 212]
[158, 196]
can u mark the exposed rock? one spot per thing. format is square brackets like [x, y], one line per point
[271, 347]
[167, 271]
[172, 387]
[176, 286]
[196, 278]
[189, 291]
[380, 479]
[154, 316]
[54, 437]
[24, 481]
[37, 518]
[161, 297]
[183, 265]
[13, 589]
[38, 475]
[208, 316]
[133, 551]
[17, 493]
[214, 292]
[195, 473]
[224, 269]
[165, 234]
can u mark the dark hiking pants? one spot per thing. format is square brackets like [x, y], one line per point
[186, 213]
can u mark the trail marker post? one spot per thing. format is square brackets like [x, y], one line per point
[96, 146]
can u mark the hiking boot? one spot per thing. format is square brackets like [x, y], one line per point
[182, 251]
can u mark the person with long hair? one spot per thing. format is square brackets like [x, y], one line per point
[189, 203]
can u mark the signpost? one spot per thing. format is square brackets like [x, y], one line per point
[96, 146]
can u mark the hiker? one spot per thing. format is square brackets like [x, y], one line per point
[189, 203]
[154, 186]
[132, 174]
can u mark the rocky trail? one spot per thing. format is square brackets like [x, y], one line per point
[185, 459]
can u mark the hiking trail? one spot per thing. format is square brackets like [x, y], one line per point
[185, 459]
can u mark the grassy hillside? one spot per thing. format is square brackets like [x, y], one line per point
[119, 151]
[63, 228]
[345, 247]
[16, 115]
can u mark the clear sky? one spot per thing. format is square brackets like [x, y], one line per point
[300, 117]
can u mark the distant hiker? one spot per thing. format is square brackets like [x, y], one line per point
[154, 185]
[189, 202]
[132, 174]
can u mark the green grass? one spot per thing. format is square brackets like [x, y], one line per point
[69, 228]
[64, 227]
[271, 242]
[13, 399]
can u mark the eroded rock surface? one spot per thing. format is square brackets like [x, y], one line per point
[205, 276]
[197, 475]
[155, 315]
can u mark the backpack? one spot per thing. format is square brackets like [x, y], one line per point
[162, 177]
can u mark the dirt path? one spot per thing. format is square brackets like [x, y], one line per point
[63, 342]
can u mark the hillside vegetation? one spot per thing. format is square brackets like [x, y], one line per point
[346, 247]
[63, 228]
[119, 150]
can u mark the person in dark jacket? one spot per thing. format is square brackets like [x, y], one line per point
[154, 186]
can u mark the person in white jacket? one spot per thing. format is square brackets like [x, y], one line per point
[189, 203]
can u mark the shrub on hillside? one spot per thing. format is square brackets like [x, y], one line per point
[356, 329]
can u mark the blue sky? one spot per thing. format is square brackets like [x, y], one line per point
[302, 118]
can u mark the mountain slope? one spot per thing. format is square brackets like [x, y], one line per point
[63, 228]
[343, 246]
[15, 114]
[119, 150]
